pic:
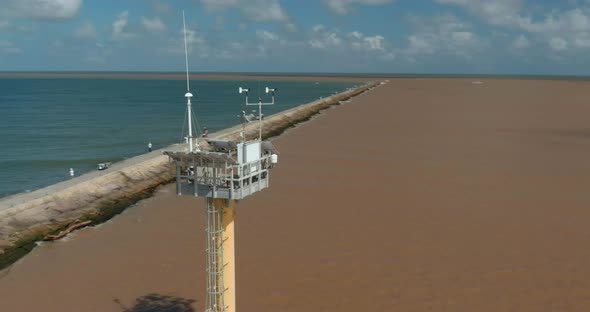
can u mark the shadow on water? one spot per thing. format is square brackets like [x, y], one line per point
[159, 303]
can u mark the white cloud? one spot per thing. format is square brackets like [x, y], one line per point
[153, 25]
[355, 34]
[510, 13]
[193, 37]
[374, 42]
[561, 29]
[266, 11]
[520, 43]
[344, 7]
[332, 41]
[9, 48]
[318, 28]
[26, 28]
[442, 34]
[195, 42]
[321, 38]
[329, 40]
[86, 32]
[161, 7]
[6, 25]
[266, 35]
[119, 26]
[256, 10]
[575, 21]
[420, 44]
[219, 4]
[359, 41]
[290, 27]
[494, 11]
[582, 42]
[42, 9]
[557, 27]
[558, 44]
[462, 37]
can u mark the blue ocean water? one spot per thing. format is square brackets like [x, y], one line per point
[49, 125]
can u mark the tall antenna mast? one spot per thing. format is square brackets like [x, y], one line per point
[188, 87]
[188, 94]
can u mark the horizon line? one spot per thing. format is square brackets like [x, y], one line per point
[319, 74]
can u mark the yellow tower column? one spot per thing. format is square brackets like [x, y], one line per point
[229, 263]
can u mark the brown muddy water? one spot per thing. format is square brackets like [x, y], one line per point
[422, 195]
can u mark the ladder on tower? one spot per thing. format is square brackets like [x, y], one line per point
[215, 287]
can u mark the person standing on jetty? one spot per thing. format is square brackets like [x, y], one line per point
[149, 146]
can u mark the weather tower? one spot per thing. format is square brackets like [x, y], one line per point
[223, 172]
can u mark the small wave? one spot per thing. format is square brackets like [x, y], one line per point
[100, 224]
[66, 238]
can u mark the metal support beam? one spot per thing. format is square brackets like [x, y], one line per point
[178, 179]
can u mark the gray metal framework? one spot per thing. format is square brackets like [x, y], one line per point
[221, 175]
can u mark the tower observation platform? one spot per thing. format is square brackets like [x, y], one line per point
[224, 169]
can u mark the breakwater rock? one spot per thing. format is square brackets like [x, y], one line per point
[98, 196]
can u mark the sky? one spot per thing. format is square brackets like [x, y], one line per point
[548, 37]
